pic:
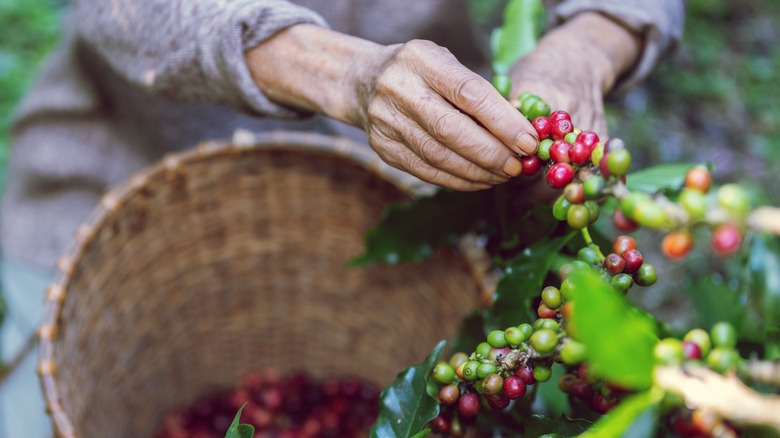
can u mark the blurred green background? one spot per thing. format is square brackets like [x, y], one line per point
[717, 100]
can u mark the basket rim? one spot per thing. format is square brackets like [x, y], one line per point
[113, 199]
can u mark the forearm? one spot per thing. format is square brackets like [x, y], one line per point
[312, 68]
[599, 43]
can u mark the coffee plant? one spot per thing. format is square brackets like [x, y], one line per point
[562, 351]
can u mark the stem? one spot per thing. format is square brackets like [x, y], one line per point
[589, 242]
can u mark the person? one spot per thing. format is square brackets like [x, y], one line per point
[135, 79]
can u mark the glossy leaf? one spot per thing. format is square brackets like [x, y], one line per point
[658, 178]
[633, 417]
[410, 232]
[619, 338]
[764, 268]
[237, 430]
[422, 433]
[405, 406]
[521, 281]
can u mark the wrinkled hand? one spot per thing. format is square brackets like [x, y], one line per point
[427, 114]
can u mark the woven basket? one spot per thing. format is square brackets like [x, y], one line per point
[230, 258]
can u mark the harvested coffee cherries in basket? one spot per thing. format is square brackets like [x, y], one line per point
[281, 407]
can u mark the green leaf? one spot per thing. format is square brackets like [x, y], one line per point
[520, 282]
[519, 33]
[714, 300]
[422, 433]
[538, 425]
[619, 338]
[764, 268]
[405, 407]
[410, 232]
[240, 430]
[657, 178]
[635, 409]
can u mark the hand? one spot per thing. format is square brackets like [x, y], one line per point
[427, 114]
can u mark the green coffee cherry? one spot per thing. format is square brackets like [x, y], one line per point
[593, 211]
[618, 162]
[570, 137]
[734, 199]
[470, 370]
[527, 330]
[589, 256]
[551, 297]
[514, 336]
[646, 275]
[700, 338]
[722, 360]
[544, 149]
[573, 353]
[485, 369]
[578, 216]
[724, 335]
[483, 349]
[669, 351]
[542, 373]
[502, 83]
[496, 339]
[593, 186]
[694, 203]
[561, 208]
[443, 374]
[650, 214]
[544, 341]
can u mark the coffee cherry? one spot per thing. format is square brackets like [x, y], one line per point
[526, 374]
[669, 351]
[470, 370]
[459, 370]
[579, 153]
[560, 128]
[604, 166]
[582, 390]
[589, 256]
[646, 275]
[527, 103]
[495, 353]
[698, 178]
[622, 282]
[593, 187]
[545, 312]
[722, 360]
[492, 384]
[623, 223]
[552, 297]
[440, 424]
[570, 137]
[567, 310]
[514, 387]
[559, 175]
[633, 259]
[496, 339]
[629, 203]
[700, 338]
[601, 404]
[614, 264]
[531, 165]
[694, 203]
[544, 341]
[618, 161]
[542, 373]
[443, 373]
[498, 401]
[469, 405]
[578, 216]
[567, 287]
[559, 151]
[559, 115]
[485, 369]
[547, 323]
[573, 353]
[726, 239]
[597, 154]
[593, 211]
[483, 349]
[458, 358]
[560, 208]
[566, 382]
[589, 138]
[449, 394]
[691, 350]
[543, 127]
[650, 214]
[622, 244]
[677, 244]
[723, 335]
[456, 428]
[574, 193]
[526, 329]
[544, 149]
[514, 337]
[734, 199]
[538, 109]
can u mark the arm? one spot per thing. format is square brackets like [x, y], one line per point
[423, 111]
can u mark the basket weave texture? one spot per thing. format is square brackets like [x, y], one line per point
[230, 258]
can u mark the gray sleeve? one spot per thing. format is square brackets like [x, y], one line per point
[659, 22]
[190, 50]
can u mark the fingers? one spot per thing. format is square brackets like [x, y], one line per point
[476, 97]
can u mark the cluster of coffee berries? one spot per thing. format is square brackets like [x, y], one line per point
[622, 268]
[281, 406]
[716, 350]
[588, 169]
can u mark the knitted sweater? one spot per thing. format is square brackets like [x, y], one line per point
[135, 79]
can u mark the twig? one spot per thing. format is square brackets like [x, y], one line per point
[726, 396]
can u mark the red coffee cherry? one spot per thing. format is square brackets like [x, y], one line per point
[559, 175]
[531, 164]
[545, 312]
[559, 115]
[440, 424]
[726, 239]
[622, 223]
[589, 138]
[497, 401]
[691, 350]
[579, 153]
[699, 178]
[559, 151]
[514, 387]
[469, 405]
[633, 260]
[449, 394]
[622, 244]
[543, 127]
[560, 128]
[614, 264]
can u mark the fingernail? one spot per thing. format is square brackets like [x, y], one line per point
[513, 167]
[527, 143]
